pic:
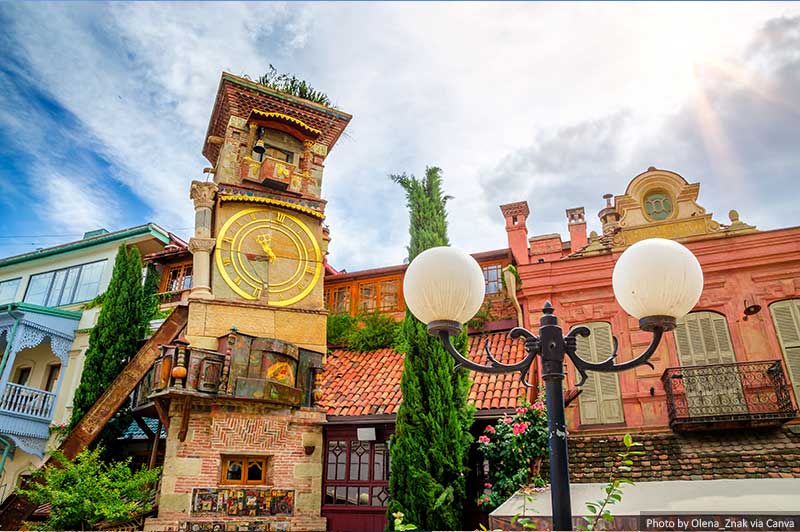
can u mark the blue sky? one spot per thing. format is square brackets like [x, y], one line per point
[103, 109]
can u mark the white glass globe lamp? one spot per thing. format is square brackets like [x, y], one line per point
[443, 287]
[657, 281]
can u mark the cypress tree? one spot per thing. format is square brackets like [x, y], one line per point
[431, 441]
[121, 326]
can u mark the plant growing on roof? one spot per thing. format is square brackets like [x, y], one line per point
[514, 447]
[431, 440]
[291, 84]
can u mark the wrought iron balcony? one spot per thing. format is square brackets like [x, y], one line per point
[719, 396]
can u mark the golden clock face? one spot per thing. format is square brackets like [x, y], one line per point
[265, 253]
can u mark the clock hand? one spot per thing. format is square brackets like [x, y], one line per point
[264, 241]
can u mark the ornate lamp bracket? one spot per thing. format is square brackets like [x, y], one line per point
[552, 346]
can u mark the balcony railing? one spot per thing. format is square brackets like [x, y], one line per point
[721, 396]
[175, 296]
[30, 402]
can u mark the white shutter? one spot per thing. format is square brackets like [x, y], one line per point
[786, 317]
[601, 401]
[703, 338]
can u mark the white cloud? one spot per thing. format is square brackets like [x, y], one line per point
[73, 204]
[485, 91]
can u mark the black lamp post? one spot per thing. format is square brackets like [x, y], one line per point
[655, 280]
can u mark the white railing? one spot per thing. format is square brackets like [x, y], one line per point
[25, 401]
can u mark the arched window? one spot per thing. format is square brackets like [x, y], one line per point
[703, 338]
[601, 401]
[786, 318]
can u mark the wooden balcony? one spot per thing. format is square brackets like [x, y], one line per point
[27, 402]
[722, 396]
[243, 367]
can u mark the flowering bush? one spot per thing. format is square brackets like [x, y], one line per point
[514, 447]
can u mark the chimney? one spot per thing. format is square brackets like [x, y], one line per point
[609, 216]
[576, 221]
[515, 215]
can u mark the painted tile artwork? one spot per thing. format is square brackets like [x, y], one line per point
[242, 502]
[232, 526]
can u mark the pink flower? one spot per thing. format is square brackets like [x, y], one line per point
[507, 420]
[490, 429]
[487, 485]
[519, 428]
[521, 410]
[538, 405]
[484, 439]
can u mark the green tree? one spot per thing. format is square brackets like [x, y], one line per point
[85, 491]
[121, 326]
[431, 441]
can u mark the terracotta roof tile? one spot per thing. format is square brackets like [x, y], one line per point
[356, 383]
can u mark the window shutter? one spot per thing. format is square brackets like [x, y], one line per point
[703, 338]
[601, 401]
[786, 317]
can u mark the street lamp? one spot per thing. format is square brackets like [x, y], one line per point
[657, 281]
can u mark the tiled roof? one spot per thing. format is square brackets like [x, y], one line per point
[135, 432]
[363, 384]
[750, 453]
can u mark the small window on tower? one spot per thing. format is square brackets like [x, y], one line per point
[244, 470]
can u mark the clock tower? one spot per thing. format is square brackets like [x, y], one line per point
[237, 390]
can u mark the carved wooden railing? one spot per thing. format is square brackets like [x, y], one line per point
[26, 401]
[725, 395]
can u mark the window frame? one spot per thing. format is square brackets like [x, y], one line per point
[182, 266]
[484, 269]
[18, 280]
[51, 385]
[48, 293]
[332, 302]
[18, 373]
[225, 460]
[370, 483]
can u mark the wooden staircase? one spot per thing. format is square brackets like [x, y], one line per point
[16, 509]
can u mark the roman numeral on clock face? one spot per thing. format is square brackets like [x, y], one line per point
[280, 217]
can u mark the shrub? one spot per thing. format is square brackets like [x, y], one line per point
[84, 491]
[514, 447]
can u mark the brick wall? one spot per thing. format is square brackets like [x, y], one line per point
[245, 429]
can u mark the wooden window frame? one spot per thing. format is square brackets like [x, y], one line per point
[347, 482]
[484, 268]
[246, 460]
[52, 368]
[378, 282]
[331, 298]
[182, 266]
[18, 373]
[375, 284]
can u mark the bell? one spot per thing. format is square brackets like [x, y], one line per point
[259, 148]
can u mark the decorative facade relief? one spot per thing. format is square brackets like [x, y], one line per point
[31, 335]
